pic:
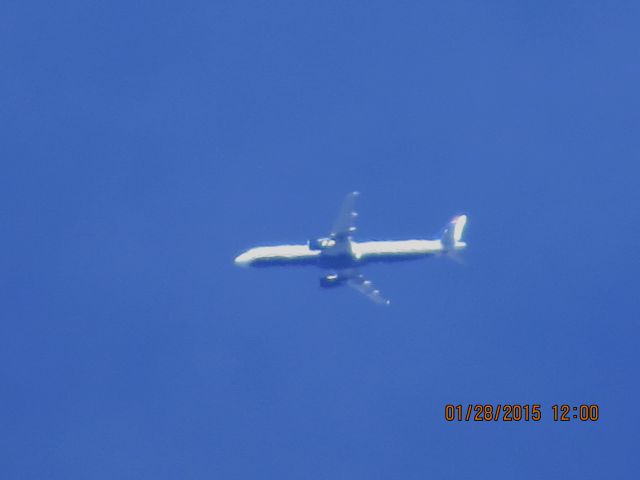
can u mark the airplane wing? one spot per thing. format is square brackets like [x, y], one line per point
[344, 225]
[358, 282]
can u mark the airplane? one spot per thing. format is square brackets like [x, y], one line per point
[344, 256]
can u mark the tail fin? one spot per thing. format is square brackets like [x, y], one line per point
[452, 234]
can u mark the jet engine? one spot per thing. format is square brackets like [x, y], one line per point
[321, 243]
[333, 280]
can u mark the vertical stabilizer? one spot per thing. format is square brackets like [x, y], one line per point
[452, 234]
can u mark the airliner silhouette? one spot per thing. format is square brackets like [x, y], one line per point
[344, 256]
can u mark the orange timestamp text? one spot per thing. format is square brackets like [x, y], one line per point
[516, 412]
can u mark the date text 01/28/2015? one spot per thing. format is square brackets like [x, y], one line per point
[514, 412]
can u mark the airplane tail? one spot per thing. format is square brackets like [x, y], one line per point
[452, 234]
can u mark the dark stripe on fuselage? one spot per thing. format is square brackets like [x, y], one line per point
[395, 257]
[282, 261]
[337, 262]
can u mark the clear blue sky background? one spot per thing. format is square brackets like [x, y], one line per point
[145, 144]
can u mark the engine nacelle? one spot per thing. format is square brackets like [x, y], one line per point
[333, 280]
[321, 243]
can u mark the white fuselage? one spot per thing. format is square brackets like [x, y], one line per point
[360, 252]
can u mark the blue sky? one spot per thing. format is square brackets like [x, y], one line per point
[145, 144]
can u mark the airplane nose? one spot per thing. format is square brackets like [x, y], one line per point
[242, 260]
